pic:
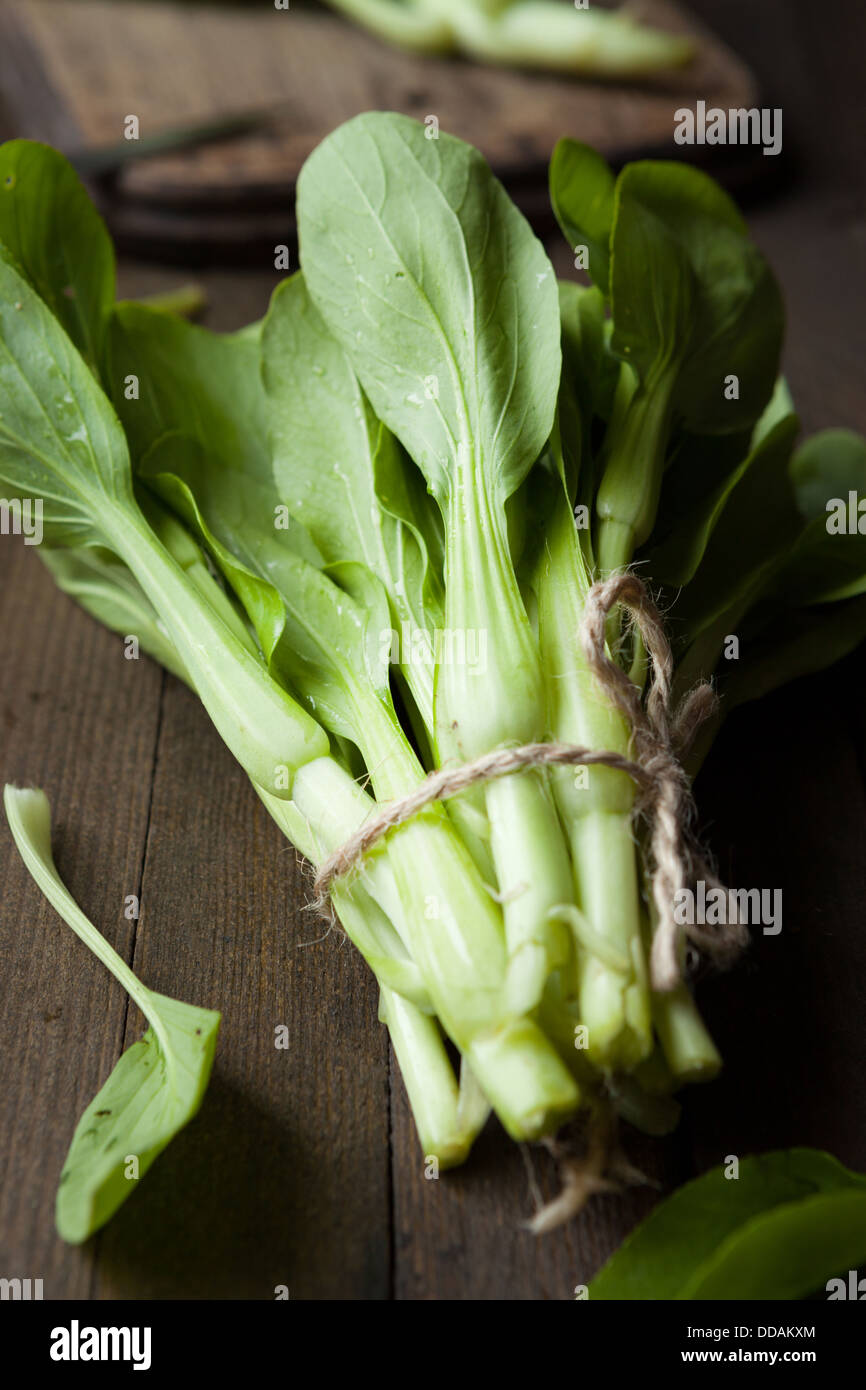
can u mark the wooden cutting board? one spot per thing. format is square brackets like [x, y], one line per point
[71, 73]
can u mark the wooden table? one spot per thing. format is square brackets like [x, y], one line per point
[302, 1168]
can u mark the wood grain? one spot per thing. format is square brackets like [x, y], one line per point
[92, 64]
[81, 722]
[283, 1177]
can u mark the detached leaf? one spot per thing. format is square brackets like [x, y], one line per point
[790, 1221]
[158, 1083]
[155, 1089]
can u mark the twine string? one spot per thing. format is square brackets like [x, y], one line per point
[660, 735]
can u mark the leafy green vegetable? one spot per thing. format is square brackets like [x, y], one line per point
[697, 321]
[428, 449]
[61, 441]
[453, 332]
[528, 33]
[365, 505]
[789, 1221]
[583, 196]
[157, 1085]
[73, 272]
[323, 642]
[103, 585]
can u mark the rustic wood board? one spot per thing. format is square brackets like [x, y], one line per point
[312, 1172]
[72, 72]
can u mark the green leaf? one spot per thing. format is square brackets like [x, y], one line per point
[61, 441]
[689, 287]
[789, 643]
[697, 316]
[232, 517]
[59, 438]
[740, 552]
[158, 1083]
[327, 644]
[202, 384]
[779, 407]
[587, 389]
[213, 469]
[154, 1090]
[444, 301]
[828, 474]
[582, 194]
[343, 474]
[708, 469]
[787, 1223]
[56, 236]
[698, 480]
[106, 588]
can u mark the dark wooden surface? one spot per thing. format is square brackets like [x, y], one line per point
[72, 73]
[302, 1168]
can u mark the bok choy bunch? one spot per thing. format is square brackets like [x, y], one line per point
[364, 532]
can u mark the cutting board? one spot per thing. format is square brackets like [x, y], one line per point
[71, 73]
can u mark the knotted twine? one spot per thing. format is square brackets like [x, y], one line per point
[660, 736]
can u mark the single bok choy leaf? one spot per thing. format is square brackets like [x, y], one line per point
[781, 1227]
[343, 474]
[367, 504]
[157, 1085]
[447, 307]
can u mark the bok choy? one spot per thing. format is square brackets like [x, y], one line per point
[366, 531]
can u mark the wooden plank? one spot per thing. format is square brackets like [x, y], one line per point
[171, 65]
[463, 1236]
[79, 721]
[784, 793]
[282, 1179]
